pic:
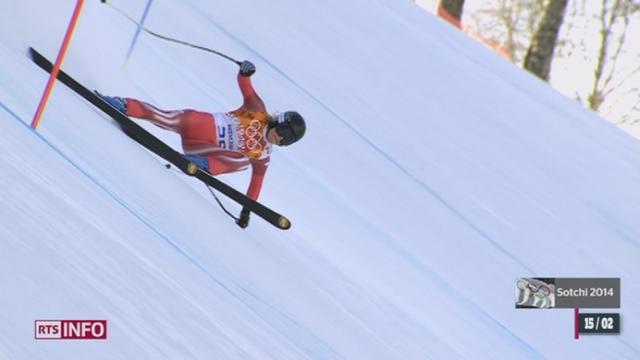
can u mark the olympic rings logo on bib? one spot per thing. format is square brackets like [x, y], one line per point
[253, 139]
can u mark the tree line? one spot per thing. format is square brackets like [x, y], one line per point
[538, 33]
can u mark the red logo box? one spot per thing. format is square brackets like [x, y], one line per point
[71, 329]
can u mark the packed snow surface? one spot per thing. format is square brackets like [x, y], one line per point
[432, 175]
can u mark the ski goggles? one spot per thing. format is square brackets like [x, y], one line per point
[285, 130]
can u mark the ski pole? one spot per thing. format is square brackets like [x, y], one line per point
[168, 166]
[166, 38]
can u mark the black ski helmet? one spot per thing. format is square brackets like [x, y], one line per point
[290, 126]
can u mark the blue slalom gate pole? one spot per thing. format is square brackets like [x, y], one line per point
[140, 27]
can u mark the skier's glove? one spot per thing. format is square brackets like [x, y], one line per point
[247, 68]
[243, 221]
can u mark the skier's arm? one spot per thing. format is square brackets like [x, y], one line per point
[251, 100]
[259, 168]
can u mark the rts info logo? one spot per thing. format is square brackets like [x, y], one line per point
[71, 329]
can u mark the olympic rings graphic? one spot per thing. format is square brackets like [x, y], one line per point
[253, 136]
[253, 145]
[254, 128]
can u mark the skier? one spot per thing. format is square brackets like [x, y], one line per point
[225, 142]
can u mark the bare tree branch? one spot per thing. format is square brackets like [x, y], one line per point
[621, 12]
[595, 97]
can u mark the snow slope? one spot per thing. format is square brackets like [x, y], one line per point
[432, 175]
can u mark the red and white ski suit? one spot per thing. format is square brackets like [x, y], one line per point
[230, 141]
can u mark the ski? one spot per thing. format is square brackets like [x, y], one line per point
[155, 145]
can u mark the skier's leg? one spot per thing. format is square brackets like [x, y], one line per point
[217, 164]
[170, 120]
[197, 129]
[227, 163]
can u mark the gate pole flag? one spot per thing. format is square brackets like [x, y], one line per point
[58, 64]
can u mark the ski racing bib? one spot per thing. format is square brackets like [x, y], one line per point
[244, 132]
